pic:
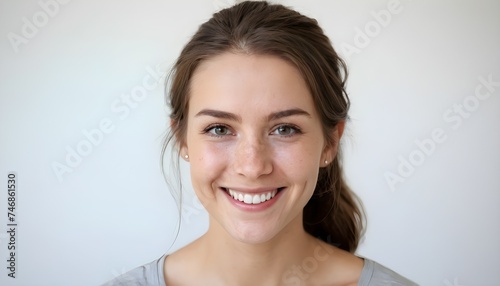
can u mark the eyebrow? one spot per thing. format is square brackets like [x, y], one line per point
[219, 114]
[231, 116]
[287, 113]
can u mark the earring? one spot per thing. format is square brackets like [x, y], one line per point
[186, 156]
[326, 162]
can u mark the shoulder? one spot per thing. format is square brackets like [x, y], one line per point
[332, 266]
[374, 274]
[150, 274]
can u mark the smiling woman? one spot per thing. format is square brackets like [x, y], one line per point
[258, 110]
[252, 130]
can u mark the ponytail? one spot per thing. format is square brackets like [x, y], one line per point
[334, 214]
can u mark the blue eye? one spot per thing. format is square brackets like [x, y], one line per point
[218, 130]
[286, 130]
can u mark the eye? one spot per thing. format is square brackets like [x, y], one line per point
[286, 130]
[218, 130]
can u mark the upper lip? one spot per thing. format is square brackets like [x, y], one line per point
[253, 190]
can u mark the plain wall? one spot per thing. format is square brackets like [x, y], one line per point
[422, 148]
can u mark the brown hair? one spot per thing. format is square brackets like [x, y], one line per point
[333, 214]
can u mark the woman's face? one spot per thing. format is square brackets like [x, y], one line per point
[255, 144]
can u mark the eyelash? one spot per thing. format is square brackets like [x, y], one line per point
[208, 130]
[294, 129]
[212, 127]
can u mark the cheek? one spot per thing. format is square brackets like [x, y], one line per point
[300, 161]
[208, 161]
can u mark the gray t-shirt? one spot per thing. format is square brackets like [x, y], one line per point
[151, 274]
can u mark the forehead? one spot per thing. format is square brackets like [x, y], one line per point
[233, 81]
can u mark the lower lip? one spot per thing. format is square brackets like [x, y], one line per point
[251, 207]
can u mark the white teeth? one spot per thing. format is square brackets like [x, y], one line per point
[252, 199]
[248, 199]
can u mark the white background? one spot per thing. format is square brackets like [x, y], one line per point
[439, 226]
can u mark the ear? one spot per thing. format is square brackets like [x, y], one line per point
[183, 150]
[331, 150]
[184, 153]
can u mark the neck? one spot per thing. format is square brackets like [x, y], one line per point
[266, 263]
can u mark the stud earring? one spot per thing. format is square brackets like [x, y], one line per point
[186, 156]
[326, 162]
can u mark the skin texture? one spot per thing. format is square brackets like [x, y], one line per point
[253, 127]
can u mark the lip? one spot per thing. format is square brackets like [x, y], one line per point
[253, 207]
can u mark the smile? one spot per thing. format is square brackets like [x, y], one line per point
[252, 199]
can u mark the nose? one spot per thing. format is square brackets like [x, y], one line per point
[252, 158]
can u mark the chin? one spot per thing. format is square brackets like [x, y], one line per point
[252, 233]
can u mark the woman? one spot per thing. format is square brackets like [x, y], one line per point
[258, 109]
